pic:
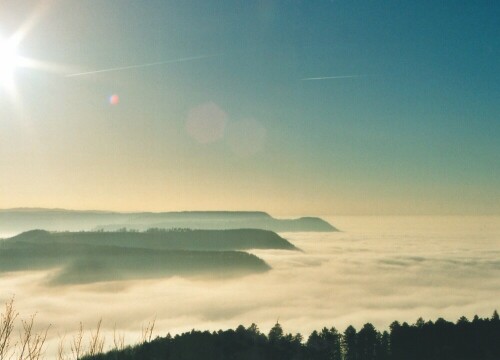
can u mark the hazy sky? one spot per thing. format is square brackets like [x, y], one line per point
[236, 118]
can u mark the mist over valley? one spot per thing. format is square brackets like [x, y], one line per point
[376, 270]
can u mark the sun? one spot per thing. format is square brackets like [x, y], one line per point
[9, 61]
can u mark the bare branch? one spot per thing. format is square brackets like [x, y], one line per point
[96, 344]
[61, 353]
[6, 327]
[31, 343]
[147, 331]
[118, 340]
[76, 343]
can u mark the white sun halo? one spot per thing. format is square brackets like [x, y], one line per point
[9, 61]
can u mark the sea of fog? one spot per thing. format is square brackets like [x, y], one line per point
[377, 269]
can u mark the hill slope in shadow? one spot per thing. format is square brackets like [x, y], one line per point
[176, 239]
[100, 256]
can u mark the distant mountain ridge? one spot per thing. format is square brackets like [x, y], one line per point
[88, 257]
[85, 264]
[24, 219]
[202, 240]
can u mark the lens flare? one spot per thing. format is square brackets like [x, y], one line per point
[114, 99]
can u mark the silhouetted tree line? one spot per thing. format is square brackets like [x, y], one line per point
[154, 230]
[166, 230]
[478, 339]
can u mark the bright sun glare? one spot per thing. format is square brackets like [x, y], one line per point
[9, 61]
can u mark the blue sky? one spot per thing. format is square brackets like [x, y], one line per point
[414, 131]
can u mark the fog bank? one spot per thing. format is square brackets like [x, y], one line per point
[378, 269]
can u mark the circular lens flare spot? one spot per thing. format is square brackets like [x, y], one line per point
[114, 99]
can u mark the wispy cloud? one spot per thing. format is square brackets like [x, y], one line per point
[333, 77]
[139, 66]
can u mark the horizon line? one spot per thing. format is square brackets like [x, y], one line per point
[28, 208]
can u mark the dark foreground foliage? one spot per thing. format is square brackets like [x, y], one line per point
[478, 339]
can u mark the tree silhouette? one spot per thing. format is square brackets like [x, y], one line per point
[325, 345]
[349, 344]
[367, 340]
[425, 340]
[276, 333]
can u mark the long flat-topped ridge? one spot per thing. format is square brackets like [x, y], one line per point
[20, 220]
[180, 239]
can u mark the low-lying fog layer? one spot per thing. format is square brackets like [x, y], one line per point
[377, 269]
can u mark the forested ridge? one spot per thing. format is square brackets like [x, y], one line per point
[476, 339]
[97, 256]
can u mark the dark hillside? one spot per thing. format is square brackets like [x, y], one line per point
[100, 256]
[79, 263]
[180, 239]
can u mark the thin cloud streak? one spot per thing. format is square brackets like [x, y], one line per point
[140, 66]
[333, 77]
